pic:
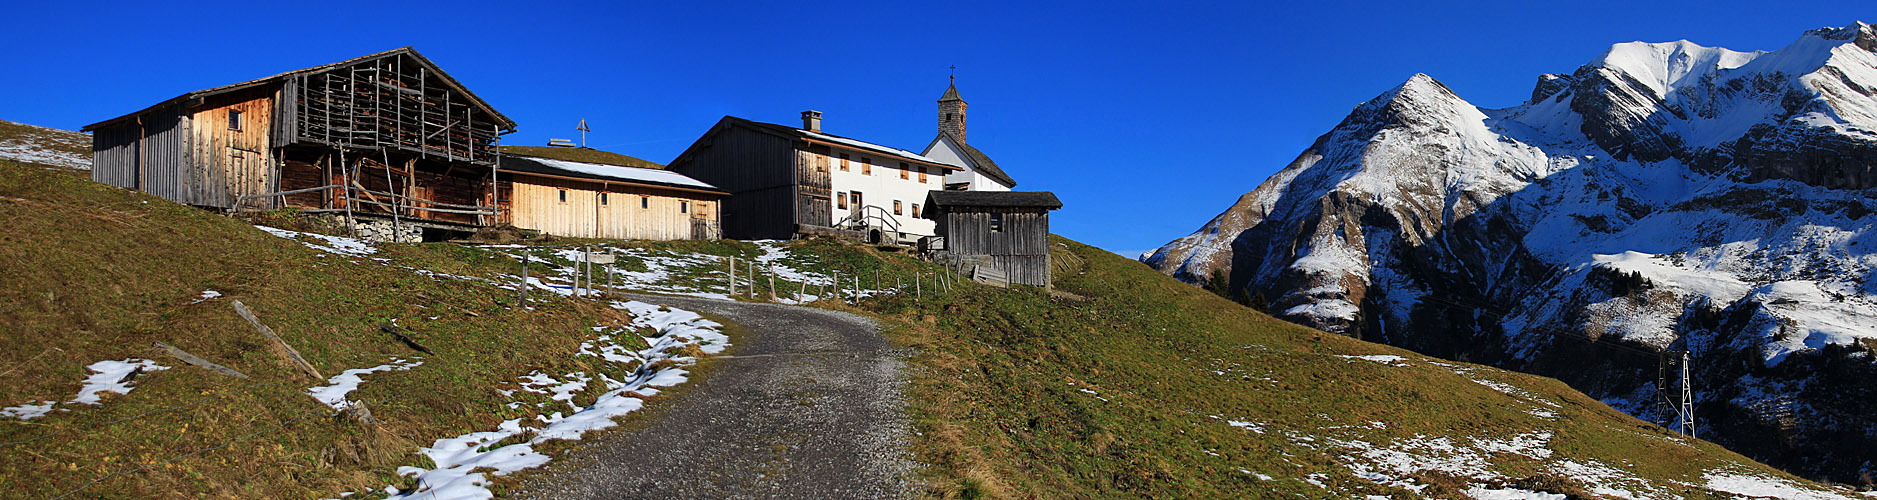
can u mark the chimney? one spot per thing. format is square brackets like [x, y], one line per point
[811, 121]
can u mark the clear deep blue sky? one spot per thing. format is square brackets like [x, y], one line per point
[1147, 119]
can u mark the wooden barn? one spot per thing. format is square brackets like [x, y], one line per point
[387, 140]
[998, 234]
[595, 200]
[786, 181]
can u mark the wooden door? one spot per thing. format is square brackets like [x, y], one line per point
[814, 210]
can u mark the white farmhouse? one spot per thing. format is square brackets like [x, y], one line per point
[787, 181]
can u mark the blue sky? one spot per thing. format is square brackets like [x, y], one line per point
[1146, 118]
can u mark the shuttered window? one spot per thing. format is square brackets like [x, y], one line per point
[915, 210]
[896, 209]
[841, 199]
[997, 223]
[904, 170]
[843, 162]
[684, 207]
[866, 166]
[922, 175]
[234, 120]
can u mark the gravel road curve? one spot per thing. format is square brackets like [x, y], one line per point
[810, 405]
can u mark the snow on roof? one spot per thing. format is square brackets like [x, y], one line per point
[870, 146]
[615, 172]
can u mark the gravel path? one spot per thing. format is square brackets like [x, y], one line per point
[809, 405]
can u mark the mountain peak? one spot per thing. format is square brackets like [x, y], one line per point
[1417, 90]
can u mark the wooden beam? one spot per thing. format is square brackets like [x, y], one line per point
[198, 361]
[291, 354]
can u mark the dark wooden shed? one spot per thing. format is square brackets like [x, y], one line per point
[1006, 231]
[386, 135]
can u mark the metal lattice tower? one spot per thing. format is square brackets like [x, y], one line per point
[1687, 412]
[1679, 400]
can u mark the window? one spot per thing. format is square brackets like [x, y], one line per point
[856, 199]
[684, 207]
[915, 210]
[841, 198]
[866, 166]
[843, 162]
[896, 209]
[234, 120]
[922, 175]
[997, 223]
[821, 164]
[904, 170]
[602, 198]
[563, 196]
[645, 202]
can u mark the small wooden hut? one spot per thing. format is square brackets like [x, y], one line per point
[993, 234]
[595, 200]
[387, 137]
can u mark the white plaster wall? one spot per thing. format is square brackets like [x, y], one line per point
[945, 152]
[883, 187]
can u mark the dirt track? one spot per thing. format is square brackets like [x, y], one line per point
[808, 406]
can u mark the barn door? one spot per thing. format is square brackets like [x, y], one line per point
[814, 210]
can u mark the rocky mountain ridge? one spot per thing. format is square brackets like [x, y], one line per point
[1664, 196]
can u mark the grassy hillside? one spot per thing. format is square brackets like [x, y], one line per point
[588, 155]
[1122, 383]
[50, 146]
[91, 273]
[1135, 385]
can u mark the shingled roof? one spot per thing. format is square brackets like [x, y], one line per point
[951, 94]
[1021, 199]
[821, 138]
[980, 162]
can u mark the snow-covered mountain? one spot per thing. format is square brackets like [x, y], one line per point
[1664, 196]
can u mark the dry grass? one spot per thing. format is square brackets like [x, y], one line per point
[91, 273]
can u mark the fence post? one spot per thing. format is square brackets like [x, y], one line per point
[524, 278]
[732, 275]
[772, 282]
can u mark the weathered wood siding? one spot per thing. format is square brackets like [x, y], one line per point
[630, 212]
[239, 159]
[758, 169]
[153, 153]
[814, 202]
[1020, 249]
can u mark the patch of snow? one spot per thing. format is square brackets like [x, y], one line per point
[1479, 493]
[1386, 359]
[27, 411]
[206, 295]
[110, 377]
[462, 462]
[333, 244]
[333, 393]
[1758, 486]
